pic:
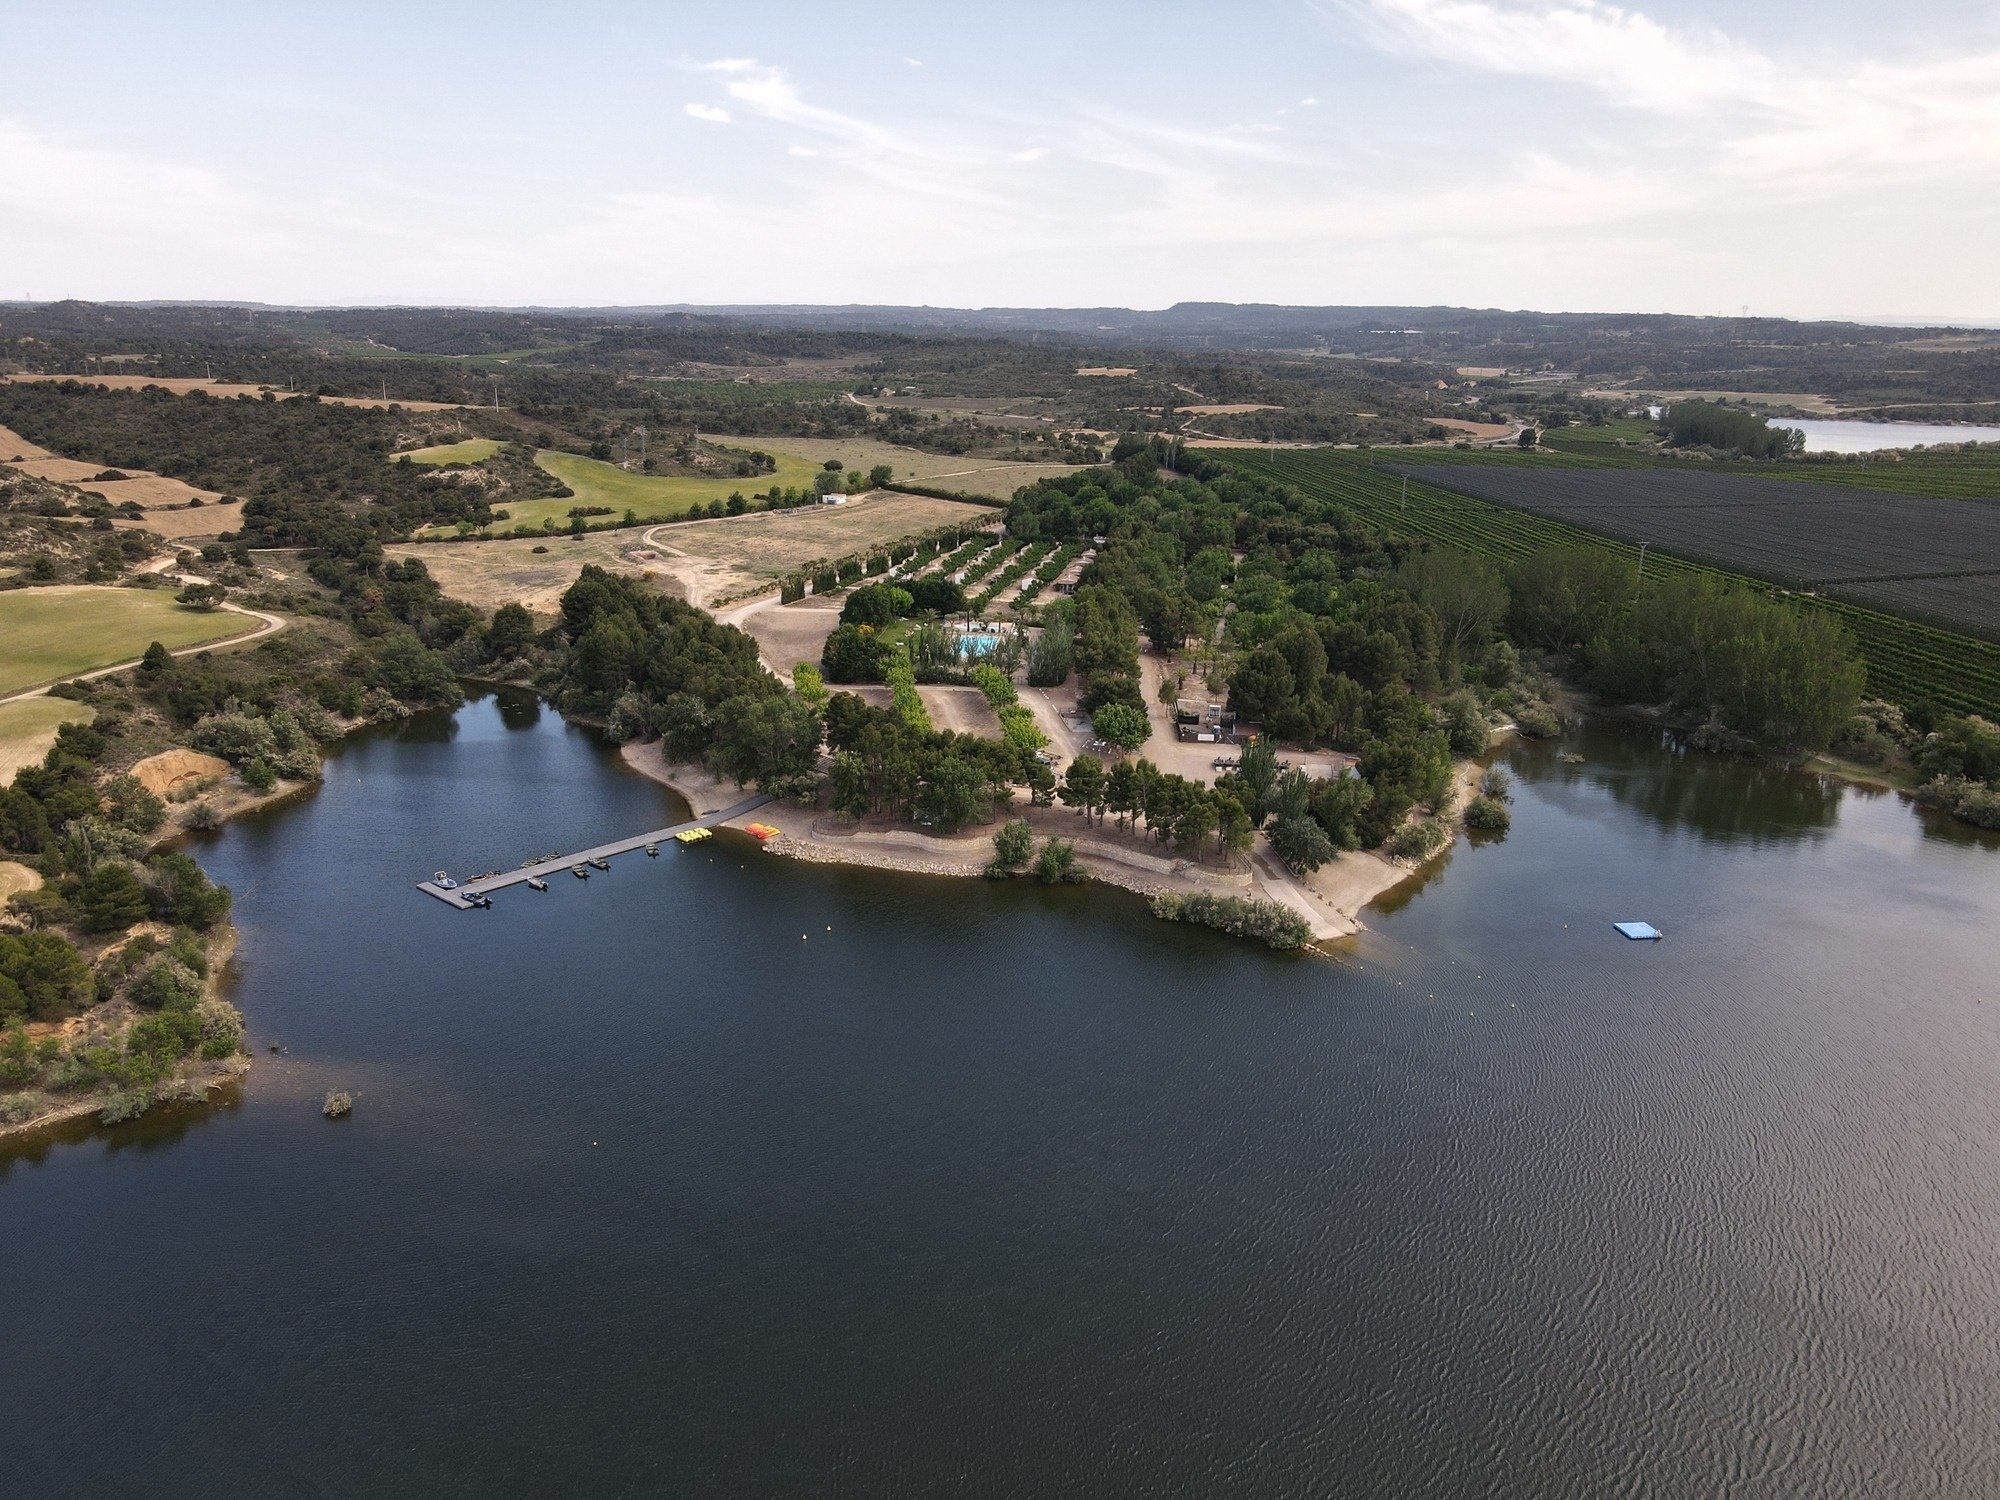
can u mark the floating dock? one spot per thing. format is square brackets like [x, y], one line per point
[465, 896]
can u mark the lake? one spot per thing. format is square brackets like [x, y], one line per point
[1833, 435]
[724, 1174]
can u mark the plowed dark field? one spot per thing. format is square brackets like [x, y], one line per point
[1935, 559]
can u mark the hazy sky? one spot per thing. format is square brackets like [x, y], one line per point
[1834, 158]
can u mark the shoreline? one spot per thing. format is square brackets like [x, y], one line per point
[1330, 900]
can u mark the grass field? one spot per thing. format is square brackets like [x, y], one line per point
[28, 727]
[52, 633]
[651, 496]
[470, 451]
[1906, 659]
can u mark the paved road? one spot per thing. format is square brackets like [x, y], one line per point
[560, 865]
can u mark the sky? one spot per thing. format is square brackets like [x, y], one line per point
[1804, 158]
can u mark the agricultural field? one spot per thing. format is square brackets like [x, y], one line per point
[470, 451]
[1906, 659]
[718, 558]
[946, 471]
[52, 633]
[698, 560]
[28, 727]
[1807, 536]
[529, 572]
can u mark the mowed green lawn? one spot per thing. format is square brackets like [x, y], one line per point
[653, 497]
[53, 633]
[470, 451]
[28, 727]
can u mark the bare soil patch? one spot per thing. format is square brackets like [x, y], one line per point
[204, 521]
[15, 449]
[787, 634]
[1230, 408]
[170, 769]
[1473, 429]
[1108, 371]
[490, 574]
[17, 878]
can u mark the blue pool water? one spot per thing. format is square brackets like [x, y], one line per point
[975, 644]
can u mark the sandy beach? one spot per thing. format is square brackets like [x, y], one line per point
[1331, 899]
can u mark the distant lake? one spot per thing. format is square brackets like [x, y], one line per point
[727, 1175]
[1832, 435]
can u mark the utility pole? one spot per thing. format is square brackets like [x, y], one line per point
[1642, 561]
[1406, 494]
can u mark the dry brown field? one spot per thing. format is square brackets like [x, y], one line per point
[1229, 408]
[1112, 372]
[15, 449]
[206, 521]
[181, 385]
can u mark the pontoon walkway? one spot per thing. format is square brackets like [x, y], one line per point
[458, 895]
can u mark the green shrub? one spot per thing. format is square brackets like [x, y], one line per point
[1058, 864]
[1419, 840]
[1487, 814]
[1267, 921]
[1537, 720]
[1013, 847]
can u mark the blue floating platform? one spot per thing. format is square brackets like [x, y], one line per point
[1640, 932]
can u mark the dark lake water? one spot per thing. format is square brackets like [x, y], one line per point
[658, 1186]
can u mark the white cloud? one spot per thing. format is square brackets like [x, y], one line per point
[713, 113]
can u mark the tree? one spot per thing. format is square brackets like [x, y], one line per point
[1301, 844]
[1561, 598]
[1527, 438]
[1083, 785]
[1122, 725]
[1258, 766]
[47, 974]
[510, 633]
[180, 894]
[765, 738]
[879, 476]
[1013, 847]
[953, 793]
[202, 596]
[1466, 593]
[110, 898]
[157, 659]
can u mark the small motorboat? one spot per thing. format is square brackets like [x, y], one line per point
[536, 883]
[443, 881]
[600, 863]
[481, 901]
[652, 851]
[579, 872]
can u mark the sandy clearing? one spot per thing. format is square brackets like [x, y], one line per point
[787, 634]
[15, 878]
[1229, 408]
[1480, 372]
[1111, 372]
[160, 774]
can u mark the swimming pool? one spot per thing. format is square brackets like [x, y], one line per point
[977, 643]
